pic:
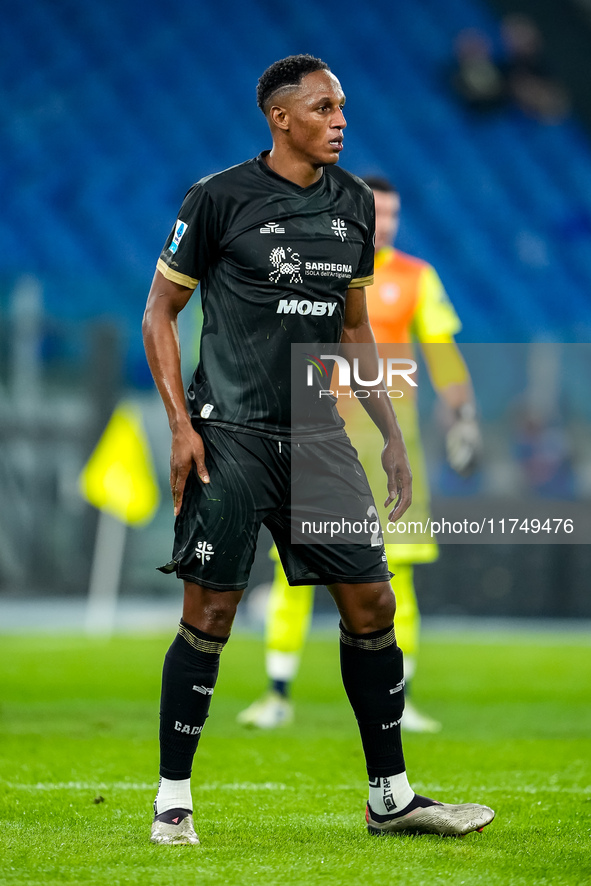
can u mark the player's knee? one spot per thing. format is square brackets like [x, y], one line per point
[219, 615]
[369, 608]
[210, 611]
[385, 605]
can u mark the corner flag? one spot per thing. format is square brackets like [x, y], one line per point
[119, 477]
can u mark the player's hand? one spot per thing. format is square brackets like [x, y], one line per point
[187, 449]
[396, 465]
[463, 442]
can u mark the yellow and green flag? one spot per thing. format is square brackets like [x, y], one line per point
[119, 477]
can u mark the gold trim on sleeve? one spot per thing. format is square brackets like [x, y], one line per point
[360, 282]
[176, 276]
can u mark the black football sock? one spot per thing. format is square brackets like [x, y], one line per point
[188, 680]
[372, 669]
[371, 666]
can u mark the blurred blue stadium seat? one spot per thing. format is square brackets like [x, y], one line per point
[110, 111]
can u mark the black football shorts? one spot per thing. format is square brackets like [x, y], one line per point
[299, 491]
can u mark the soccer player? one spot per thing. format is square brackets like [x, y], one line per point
[406, 302]
[255, 236]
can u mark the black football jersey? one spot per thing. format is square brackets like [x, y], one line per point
[275, 261]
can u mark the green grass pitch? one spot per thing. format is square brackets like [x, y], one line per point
[78, 761]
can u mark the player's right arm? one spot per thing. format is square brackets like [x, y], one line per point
[166, 300]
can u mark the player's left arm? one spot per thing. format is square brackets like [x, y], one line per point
[357, 331]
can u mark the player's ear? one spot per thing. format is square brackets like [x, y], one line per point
[279, 117]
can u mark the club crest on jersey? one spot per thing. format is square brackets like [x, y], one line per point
[272, 228]
[285, 263]
[179, 230]
[339, 228]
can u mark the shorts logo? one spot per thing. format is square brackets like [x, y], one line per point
[339, 228]
[207, 410]
[179, 230]
[204, 551]
[272, 228]
[285, 263]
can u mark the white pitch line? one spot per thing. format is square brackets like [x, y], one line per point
[141, 786]
[277, 786]
[508, 790]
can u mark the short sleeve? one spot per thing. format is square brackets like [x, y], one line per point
[363, 275]
[192, 244]
[434, 314]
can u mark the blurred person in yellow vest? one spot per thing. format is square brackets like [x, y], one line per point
[407, 303]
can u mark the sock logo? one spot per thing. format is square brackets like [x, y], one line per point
[188, 730]
[391, 725]
[398, 688]
[204, 690]
[388, 797]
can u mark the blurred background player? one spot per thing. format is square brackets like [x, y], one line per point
[406, 303]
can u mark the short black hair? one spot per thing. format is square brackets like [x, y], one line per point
[286, 72]
[379, 183]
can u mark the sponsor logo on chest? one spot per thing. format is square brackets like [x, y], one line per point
[303, 306]
[327, 269]
[287, 267]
